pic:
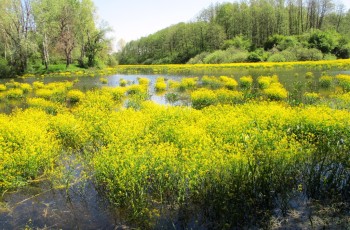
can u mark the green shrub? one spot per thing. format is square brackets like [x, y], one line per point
[160, 85]
[246, 82]
[14, 94]
[276, 92]
[75, 96]
[277, 57]
[311, 98]
[225, 96]
[229, 83]
[202, 98]
[325, 82]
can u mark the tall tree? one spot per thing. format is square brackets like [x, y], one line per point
[17, 27]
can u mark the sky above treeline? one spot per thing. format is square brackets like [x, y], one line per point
[133, 19]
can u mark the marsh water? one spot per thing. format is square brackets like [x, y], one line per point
[80, 206]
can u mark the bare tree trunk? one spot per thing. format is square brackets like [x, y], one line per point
[46, 52]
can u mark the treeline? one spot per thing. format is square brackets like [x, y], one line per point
[37, 33]
[250, 30]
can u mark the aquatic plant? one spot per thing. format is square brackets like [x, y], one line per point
[75, 96]
[246, 82]
[276, 92]
[229, 83]
[14, 93]
[160, 85]
[344, 82]
[2, 88]
[325, 82]
[123, 82]
[104, 80]
[311, 98]
[202, 98]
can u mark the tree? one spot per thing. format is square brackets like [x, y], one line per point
[17, 29]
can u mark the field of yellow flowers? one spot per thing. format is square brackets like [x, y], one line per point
[237, 153]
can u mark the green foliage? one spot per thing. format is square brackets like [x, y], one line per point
[254, 57]
[322, 40]
[238, 42]
[325, 81]
[246, 82]
[75, 96]
[160, 85]
[277, 57]
[5, 70]
[311, 98]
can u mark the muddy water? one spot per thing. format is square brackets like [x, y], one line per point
[43, 207]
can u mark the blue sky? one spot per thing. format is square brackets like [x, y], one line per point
[132, 19]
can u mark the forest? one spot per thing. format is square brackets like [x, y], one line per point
[249, 31]
[35, 34]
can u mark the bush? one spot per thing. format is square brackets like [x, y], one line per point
[246, 82]
[288, 55]
[123, 82]
[211, 82]
[160, 85]
[309, 75]
[229, 97]
[325, 82]
[14, 94]
[304, 54]
[344, 82]
[75, 96]
[216, 57]
[44, 93]
[311, 98]
[2, 88]
[277, 57]
[104, 80]
[264, 82]
[47, 106]
[229, 83]
[202, 98]
[5, 70]
[276, 92]
[254, 57]
[198, 59]
[143, 81]
[26, 87]
[187, 84]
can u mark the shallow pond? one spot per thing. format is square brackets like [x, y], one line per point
[80, 206]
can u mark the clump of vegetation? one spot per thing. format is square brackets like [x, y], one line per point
[246, 82]
[211, 82]
[143, 81]
[202, 98]
[2, 88]
[325, 82]
[229, 83]
[160, 85]
[123, 82]
[344, 82]
[187, 84]
[14, 93]
[74, 96]
[311, 98]
[276, 92]
[309, 75]
[48, 106]
[104, 80]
